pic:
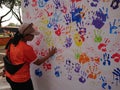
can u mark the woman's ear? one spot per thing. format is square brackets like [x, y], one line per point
[29, 37]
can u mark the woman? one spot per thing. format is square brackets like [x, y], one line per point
[19, 52]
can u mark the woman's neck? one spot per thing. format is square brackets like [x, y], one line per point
[24, 40]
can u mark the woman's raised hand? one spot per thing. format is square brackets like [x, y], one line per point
[52, 51]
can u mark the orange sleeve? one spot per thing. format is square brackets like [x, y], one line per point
[29, 54]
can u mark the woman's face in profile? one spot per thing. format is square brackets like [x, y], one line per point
[29, 37]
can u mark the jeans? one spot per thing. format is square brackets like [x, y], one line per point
[20, 86]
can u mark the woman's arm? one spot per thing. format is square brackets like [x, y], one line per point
[51, 52]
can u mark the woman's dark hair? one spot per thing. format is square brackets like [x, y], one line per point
[15, 40]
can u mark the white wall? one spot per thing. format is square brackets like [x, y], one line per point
[87, 36]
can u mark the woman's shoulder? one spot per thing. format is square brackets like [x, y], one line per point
[24, 45]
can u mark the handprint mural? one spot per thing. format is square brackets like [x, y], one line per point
[87, 36]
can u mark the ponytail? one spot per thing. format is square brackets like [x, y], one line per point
[15, 40]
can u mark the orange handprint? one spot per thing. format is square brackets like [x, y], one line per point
[93, 72]
[84, 58]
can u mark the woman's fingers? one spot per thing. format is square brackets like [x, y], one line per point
[52, 51]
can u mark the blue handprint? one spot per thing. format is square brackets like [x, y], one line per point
[105, 85]
[38, 72]
[116, 75]
[76, 17]
[113, 27]
[106, 58]
[42, 3]
[57, 71]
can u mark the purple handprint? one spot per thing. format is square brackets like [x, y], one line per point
[26, 3]
[57, 3]
[94, 3]
[68, 42]
[77, 67]
[67, 18]
[100, 20]
[115, 4]
[83, 76]
[69, 66]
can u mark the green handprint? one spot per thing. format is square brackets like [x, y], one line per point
[98, 37]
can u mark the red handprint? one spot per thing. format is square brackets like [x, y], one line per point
[116, 57]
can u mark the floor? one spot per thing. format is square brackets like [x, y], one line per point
[3, 84]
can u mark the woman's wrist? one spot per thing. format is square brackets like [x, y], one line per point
[47, 57]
